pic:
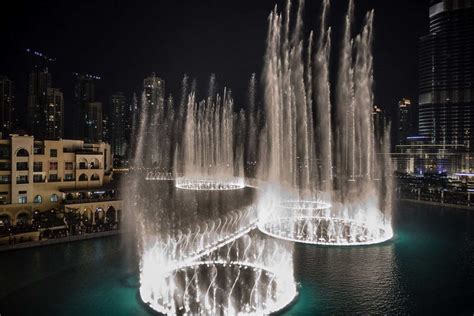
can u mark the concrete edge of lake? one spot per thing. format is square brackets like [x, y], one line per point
[438, 204]
[46, 242]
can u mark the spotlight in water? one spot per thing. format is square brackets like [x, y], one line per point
[210, 184]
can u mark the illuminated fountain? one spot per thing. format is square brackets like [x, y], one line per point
[247, 276]
[325, 182]
[212, 160]
[214, 242]
[200, 251]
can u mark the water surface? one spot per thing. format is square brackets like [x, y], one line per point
[427, 268]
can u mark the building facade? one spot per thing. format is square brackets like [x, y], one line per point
[7, 106]
[93, 122]
[446, 87]
[154, 89]
[55, 114]
[378, 118]
[35, 175]
[419, 156]
[405, 120]
[118, 124]
[38, 85]
[84, 93]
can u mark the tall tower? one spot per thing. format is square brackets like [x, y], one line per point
[446, 87]
[84, 93]
[118, 124]
[7, 106]
[55, 114]
[93, 122]
[154, 88]
[38, 85]
[405, 126]
[379, 122]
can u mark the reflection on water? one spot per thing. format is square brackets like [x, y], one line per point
[428, 267]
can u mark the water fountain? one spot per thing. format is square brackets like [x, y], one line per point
[325, 185]
[200, 250]
[214, 239]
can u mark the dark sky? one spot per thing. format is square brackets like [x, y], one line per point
[124, 41]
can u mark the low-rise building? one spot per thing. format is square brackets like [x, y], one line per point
[37, 176]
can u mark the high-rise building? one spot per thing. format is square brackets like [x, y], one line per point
[154, 88]
[38, 85]
[7, 106]
[105, 126]
[405, 123]
[446, 88]
[84, 93]
[118, 124]
[379, 122]
[55, 114]
[93, 122]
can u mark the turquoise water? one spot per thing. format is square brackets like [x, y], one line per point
[427, 268]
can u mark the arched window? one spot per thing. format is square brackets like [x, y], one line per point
[54, 197]
[95, 177]
[22, 153]
[22, 219]
[38, 199]
[94, 163]
[83, 177]
[83, 163]
[5, 219]
[110, 215]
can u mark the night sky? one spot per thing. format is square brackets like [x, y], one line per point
[123, 42]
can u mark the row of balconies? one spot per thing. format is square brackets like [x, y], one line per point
[21, 166]
[49, 180]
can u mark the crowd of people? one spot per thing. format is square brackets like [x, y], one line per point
[436, 187]
[55, 224]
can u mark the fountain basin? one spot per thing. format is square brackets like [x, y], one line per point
[209, 184]
[324, 230]
[219, 287]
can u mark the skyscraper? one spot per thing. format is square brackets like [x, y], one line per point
[154, 88]
[55, 114]
[379, 122]
[405, 123]
[93, 122]
[84, 93]
[7, 106]
[38, 85]
[118, 124]
[446, 88]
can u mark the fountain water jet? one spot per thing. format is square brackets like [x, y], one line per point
[303, 166]
[318, 176]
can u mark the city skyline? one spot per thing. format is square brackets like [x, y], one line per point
[197, 51]
[273, 157]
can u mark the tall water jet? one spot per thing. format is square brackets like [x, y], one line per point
[316, 193]
[212, 155]
[200, 252]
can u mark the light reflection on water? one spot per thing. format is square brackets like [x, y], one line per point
[427, 267]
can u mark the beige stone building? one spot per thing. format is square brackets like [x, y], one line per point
[36, 176]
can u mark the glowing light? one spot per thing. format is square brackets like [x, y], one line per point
[315, 221]
[210, 184]
[193, 289]
[250, 275]
[326, 231]
[156, 175]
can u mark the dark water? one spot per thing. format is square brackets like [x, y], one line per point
[428, 268]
